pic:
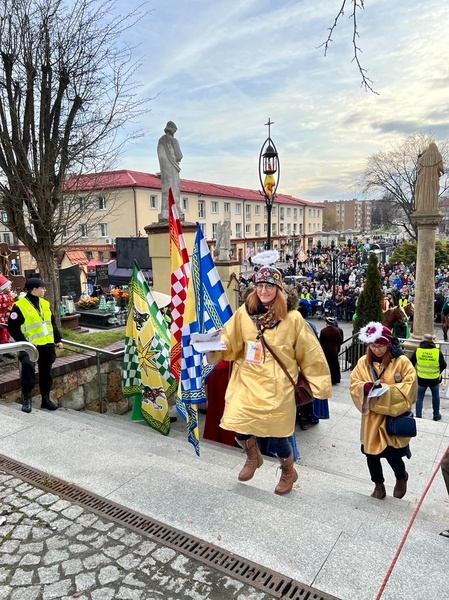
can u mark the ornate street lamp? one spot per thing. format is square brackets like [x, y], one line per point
[269, 173]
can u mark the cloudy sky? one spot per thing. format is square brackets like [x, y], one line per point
[219, 69]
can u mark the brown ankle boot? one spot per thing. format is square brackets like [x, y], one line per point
[288, 476]
[379, 491]
[254, 458]
[400, 488]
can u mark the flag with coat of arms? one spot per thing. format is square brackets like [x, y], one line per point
[146, 369]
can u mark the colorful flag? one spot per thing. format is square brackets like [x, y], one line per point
[180, 273]
[207, 309]
[146, 370]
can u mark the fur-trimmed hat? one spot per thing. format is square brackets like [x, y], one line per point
[375, 333]
[330, 321]
[4, 283]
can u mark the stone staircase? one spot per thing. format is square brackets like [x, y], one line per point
[327, 533]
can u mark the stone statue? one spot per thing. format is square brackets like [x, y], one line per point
[169, 155]
[223, 240]
[430, 169]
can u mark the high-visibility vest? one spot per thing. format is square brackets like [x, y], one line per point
[403, 302]
[428, 363]
[37, 327]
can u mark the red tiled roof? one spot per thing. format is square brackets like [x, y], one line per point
[127, 178]
[76, 257]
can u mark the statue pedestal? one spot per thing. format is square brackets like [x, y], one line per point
[423, 318]
[159, 247]
[228, 271]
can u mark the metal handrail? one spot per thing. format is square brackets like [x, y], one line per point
[98, 352]
[30, 349]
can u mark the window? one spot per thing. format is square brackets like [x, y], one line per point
[103, 230]
[248, 211]
[84, 230]
[289, 212]
[89, 254]
[185, 203]
[203, 229]
[214, 231]
[273, 229]
[257, 210]
[248, 229]
[4, 217]
[238, 230]
[65, 231]
[274, 211]
[227, 207]
[201, 210]
[7, 238]
[153, 202]
[281, 213]
[257, 229]
[281, 228]
[238, 209]
[214, 207]
[101, 203]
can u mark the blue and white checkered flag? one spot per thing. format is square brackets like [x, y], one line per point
[207, 309]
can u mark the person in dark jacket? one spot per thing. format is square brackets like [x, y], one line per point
[31, 320]
[331, 339]
[429, 363]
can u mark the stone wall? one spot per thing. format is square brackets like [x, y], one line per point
[76, 383]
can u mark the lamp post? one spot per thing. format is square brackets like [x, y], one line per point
[334, 252]
[269, 167]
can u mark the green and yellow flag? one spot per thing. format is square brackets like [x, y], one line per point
[146, 370]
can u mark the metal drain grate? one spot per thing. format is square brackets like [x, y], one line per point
[235, 566]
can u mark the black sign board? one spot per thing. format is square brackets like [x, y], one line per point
[70, 282]
[102, 275]
[128, 249]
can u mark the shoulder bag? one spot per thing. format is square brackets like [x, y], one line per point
[303, 393]
[403, 425]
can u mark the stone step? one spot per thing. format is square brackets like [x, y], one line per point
[316, 534]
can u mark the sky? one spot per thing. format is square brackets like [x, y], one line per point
[220, 69]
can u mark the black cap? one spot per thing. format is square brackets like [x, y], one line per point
[34, 282]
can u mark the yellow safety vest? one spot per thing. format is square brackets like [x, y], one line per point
[428, 363]
[403, 302]
[37, 327]
[305, 296]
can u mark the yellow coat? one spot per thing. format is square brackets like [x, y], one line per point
[259, 398]
[400, 398]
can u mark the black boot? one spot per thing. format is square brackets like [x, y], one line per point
[47, 403]
[26, 402]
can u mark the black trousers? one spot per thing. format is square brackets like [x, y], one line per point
[47, 357]
[394, 457]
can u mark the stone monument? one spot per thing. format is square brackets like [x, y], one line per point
[169, 155]
[426, 217]
[223, 240]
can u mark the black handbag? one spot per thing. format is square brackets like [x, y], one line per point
[403, 425]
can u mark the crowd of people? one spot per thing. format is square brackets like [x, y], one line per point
[332, 283]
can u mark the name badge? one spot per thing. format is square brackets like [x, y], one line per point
[253, 352]
[45, 328]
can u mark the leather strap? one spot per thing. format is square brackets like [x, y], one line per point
[278, 360]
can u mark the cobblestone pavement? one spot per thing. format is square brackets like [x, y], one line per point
[51, 548]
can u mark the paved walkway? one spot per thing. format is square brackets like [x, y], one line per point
[51, 548]
[325, 533]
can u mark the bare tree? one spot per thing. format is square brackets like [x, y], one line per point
[67, 91]
[393, 175]
[355, 5]
[330, 219]
[385, 212]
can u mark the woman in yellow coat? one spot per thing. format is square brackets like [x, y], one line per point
[259, 399]
[383, 366]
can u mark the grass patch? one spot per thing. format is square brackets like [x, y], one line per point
[97, 339]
